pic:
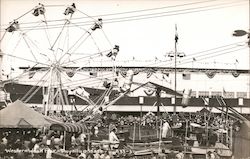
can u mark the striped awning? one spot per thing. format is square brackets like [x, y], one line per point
[69, 127]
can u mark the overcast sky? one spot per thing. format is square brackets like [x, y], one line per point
[145, 29]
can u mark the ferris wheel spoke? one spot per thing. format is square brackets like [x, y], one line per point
[72, 88]
[65, 44]
[26, 42]
[86, 58]
[25, 13]
[66, 22]
[107, 38]
[95, 43]
[38, 49]
[32, 91]
[3, 36]
[46, 31]
[67, 52]
[25, 59]
[63, 98]
[75, 43]
[88, 81]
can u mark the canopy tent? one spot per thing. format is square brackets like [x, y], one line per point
[204, 110]
[69, 127]
[19, 115]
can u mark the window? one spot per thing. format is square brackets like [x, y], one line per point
[203, 94]
[228, 95]
[216, 93]
[193, 94]
[172, 100]
[241, 94]
[240, 101]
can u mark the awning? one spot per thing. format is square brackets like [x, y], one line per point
[69, 127]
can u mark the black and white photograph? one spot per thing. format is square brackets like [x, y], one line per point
[124, 79]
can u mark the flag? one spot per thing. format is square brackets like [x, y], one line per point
[156, 59]
[186, 76]
[176, 34]
[224, 92]
[93, 74]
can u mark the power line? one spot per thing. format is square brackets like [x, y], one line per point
[119, 13]
[151, 15]
[207, 52]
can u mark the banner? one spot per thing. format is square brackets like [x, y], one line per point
[70, 73]
[235, 74]
[149, 92]
[210, 74]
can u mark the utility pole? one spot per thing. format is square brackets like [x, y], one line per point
[175, 54]
[1, 61]
[158, 96]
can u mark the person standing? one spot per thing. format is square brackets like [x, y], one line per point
[113, 139]
[48, 153]
[180, 155]
[165, 129]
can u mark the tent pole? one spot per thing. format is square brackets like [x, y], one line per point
[64, 141]
[134, 136]
[89, 141]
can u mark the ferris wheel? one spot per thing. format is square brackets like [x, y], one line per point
[52, 44]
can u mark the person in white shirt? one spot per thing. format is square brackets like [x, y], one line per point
[96, 131]
[112, 136]
[82, 137]
[165, 129]
[82, 156]
[48, 153]
[113, 139]
[36, 148]
[73, 140]
[180, 155]
[4, 140]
